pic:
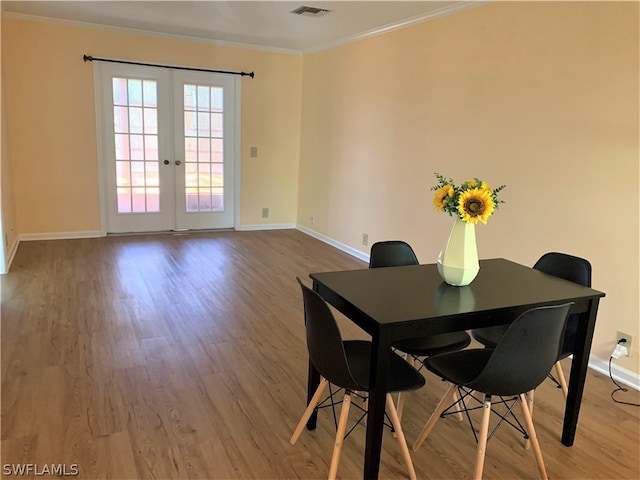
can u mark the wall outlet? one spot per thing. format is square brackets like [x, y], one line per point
[265, 213]
[629, 338]
[365, 239]
[254, 152]
[312, 218]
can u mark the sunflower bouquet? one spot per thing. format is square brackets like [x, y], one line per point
[473, 201]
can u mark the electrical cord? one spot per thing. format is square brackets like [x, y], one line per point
[619, 389]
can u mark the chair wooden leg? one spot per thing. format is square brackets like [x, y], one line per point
[533, 437]
[342, 428]
[562, 380]
[529, 396]
[395, 420]
[456, 406]
[309, 410]
[442, 406]
[401, 395]
[482, 440]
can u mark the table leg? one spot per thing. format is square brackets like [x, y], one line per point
[380, 351]
[579, 365]
[313, 380]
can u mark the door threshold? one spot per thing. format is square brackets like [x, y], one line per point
[170, 232]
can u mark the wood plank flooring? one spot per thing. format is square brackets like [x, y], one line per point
[184, 356]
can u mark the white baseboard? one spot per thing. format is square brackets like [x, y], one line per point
[622, 375]
[9, 255]
[266, 226]
[27, 237]
[334, 243]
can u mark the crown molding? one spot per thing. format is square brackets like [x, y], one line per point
[441, 12]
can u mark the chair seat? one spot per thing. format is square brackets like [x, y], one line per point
[489, 336]
[405, 378]
[460, 367]
[434, 344]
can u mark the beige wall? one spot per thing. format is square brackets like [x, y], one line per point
[49, 95]
[541, 96]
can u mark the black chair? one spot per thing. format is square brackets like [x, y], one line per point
[396, 253]
[346, 365]
[568, 267]
[518, 364]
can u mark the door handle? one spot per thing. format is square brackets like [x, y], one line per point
[166, 162]
[178, 162]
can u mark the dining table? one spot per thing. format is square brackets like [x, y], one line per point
[398, 303]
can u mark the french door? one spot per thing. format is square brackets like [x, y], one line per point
[168, 148]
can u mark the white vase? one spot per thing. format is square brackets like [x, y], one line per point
[458, 261]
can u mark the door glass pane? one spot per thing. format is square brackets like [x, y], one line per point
[138, 200]
[189, 97]
[153, 199]
[149, 94]
[124, 200]
[191, 174]
[119, 91]
[217, 199]
[136, 145]
[192, 199]
[216, 99]
[122, 147]
[190, 149]
[204, 182]
[216, 125]
[135, 120]
[204, 150]
[190, 124]
[152, 175]
[203, 125]
[216, 150]
[151, 120]
[151, 147]
[216, 174]
[120, 120]
[123, 175]
[135, 92]
[203, 99]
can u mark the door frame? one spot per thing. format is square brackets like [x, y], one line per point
[101, 156]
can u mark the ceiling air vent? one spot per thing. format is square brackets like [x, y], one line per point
[310, 11]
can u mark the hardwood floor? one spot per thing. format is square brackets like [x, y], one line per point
[184, 356]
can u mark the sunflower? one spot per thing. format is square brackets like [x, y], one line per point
[476, 205]
[443, 196]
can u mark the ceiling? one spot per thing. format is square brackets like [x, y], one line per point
[258, 24]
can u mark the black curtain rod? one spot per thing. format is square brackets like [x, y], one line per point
[89, 58]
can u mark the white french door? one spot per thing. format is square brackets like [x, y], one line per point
[168, 148]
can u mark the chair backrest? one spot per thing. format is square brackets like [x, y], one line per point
[392, 253]
[573, 269]
[324, 341]
[568, 267]
[526, 352]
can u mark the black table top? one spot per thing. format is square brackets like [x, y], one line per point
[388, 296]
